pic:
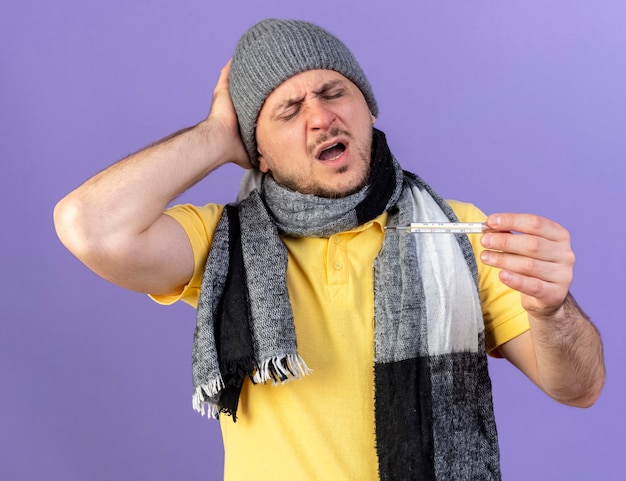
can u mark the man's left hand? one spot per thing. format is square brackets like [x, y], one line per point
[535, 256]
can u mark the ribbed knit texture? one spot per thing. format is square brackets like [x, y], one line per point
[272, 51]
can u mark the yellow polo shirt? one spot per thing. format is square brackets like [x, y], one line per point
[322, 426]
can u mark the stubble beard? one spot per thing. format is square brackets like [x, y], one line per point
[364, 153]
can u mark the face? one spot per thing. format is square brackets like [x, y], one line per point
[314, 134]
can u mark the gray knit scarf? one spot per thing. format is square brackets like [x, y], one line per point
[433, 407]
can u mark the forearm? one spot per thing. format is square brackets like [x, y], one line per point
[568, 349]
[126, 198]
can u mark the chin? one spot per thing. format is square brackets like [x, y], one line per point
[340, 184]
[337, 192]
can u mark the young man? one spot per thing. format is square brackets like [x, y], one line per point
[386, 331]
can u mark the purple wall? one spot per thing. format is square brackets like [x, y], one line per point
[513, 107]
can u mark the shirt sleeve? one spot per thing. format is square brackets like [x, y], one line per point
[503, 314]
[199, 223]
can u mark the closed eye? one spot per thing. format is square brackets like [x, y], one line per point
[290, 113]
[330, 91]
[332, 94]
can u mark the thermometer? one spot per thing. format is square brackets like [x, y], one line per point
[441, 228]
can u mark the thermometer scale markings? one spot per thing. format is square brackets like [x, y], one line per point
[441, 228]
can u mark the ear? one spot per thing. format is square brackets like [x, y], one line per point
[373, 118]
[263, 166]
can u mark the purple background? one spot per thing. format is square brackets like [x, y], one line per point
[513, 106]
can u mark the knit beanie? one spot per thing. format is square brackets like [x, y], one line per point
[272, 51]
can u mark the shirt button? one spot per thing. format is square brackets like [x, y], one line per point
[338, 266]
[336, 239]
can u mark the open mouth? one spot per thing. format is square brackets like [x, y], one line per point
[332, 152]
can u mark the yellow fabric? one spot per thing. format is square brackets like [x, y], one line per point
[322, 427]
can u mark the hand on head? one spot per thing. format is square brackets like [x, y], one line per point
[222, 119]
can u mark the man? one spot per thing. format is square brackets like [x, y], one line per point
[386, 331]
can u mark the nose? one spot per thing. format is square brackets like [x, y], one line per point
[320, 117]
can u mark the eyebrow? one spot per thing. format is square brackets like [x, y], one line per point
[297, 100]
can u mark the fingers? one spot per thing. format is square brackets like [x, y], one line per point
[545, 283]
[535, 257]
[222, 81]
[548, 271]
[544, 239]
[528, 224]
[531, 246]
[223, 121]
[221, 91]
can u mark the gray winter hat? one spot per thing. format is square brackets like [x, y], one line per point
[272, 51]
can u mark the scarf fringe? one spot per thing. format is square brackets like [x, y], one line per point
[202, 396]
[277, 369]
[281, 369]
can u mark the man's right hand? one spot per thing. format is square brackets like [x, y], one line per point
[223, 119]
